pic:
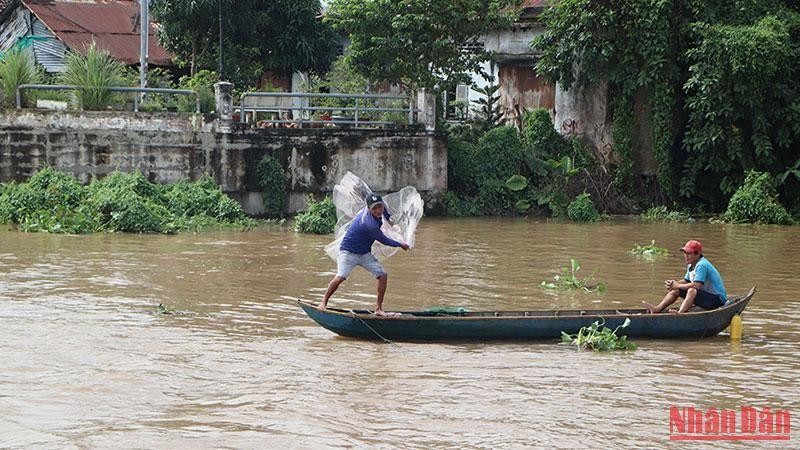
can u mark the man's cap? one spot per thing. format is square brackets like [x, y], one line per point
[374, 199]
[692, 247]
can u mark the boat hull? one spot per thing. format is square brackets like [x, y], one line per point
[521, 325]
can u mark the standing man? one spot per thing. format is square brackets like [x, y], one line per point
[355, 249]
[702, 285]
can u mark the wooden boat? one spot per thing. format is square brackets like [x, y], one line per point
[522, 325]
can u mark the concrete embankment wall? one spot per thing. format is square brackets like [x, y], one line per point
[169, 147]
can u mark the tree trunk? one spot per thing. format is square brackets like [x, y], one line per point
[193, 62]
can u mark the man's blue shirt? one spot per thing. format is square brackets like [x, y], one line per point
[365, 230]
[704, 272]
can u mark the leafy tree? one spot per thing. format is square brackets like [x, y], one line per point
[742, 100]
[190, 29]
[488, 110]
[259, 35]
[722, 79]
[417, 43]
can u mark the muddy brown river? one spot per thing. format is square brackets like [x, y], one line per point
[85, 362]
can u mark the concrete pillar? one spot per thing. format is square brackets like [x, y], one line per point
[426, 104]
[223, 92]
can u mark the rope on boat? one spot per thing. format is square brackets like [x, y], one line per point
[371, 329]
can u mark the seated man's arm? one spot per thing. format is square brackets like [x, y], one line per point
[700, 274]
[686, 284]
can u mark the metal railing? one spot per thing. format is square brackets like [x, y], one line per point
[69, 87]
[302, 110]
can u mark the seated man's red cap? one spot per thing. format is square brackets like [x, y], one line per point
[693, 247]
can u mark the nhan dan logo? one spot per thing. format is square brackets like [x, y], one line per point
[750, 424]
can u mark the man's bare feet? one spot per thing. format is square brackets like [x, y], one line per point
[323, 305]
[650, 307]
[380, 312]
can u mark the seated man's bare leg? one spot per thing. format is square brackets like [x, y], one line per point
[688, 302]
[665, 302]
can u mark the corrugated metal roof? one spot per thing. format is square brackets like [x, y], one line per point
[109, 23]
[50, 51]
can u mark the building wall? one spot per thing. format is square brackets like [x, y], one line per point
[522, 89]
[15, 26]
[170, 147]
[584, 111]
[512, 67]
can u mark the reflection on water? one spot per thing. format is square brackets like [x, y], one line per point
[86, 362]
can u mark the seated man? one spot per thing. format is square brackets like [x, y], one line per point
[701, 286]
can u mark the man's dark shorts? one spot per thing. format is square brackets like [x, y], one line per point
[705, 300]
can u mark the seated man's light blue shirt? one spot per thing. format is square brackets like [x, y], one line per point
[705, 272]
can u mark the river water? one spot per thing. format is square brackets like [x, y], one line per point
[86, 362]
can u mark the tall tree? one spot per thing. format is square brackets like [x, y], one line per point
[258, 35]
[417, 43]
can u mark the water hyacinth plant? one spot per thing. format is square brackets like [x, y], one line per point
[569, 279]
[599, 339]
[651, 251]
[55, 202]
[164, 310]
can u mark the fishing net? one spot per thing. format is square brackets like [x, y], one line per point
[405, 207]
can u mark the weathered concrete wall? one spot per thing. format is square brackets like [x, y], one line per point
[169, 147]
[584, 111]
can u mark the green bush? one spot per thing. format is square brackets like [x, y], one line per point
[54, 202]
[582, 209]
[461, 169]
[272, 182]
[662, 214]
[47, 191]
[318, 218]
[456, 206]
[16, 68]
[94, 73]
[203, 83]
[201, 198]
[540, 136]
[498, 156]
[756, 201]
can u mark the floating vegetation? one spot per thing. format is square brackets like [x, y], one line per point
[599, 339]
[162, 309]
[55, 202]
[662, 214]
[569, 279]
[651, 251]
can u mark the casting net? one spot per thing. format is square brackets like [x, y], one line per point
[405, 207]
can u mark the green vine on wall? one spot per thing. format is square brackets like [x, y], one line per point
[272, 181]
[622, 135]
[663, 104]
